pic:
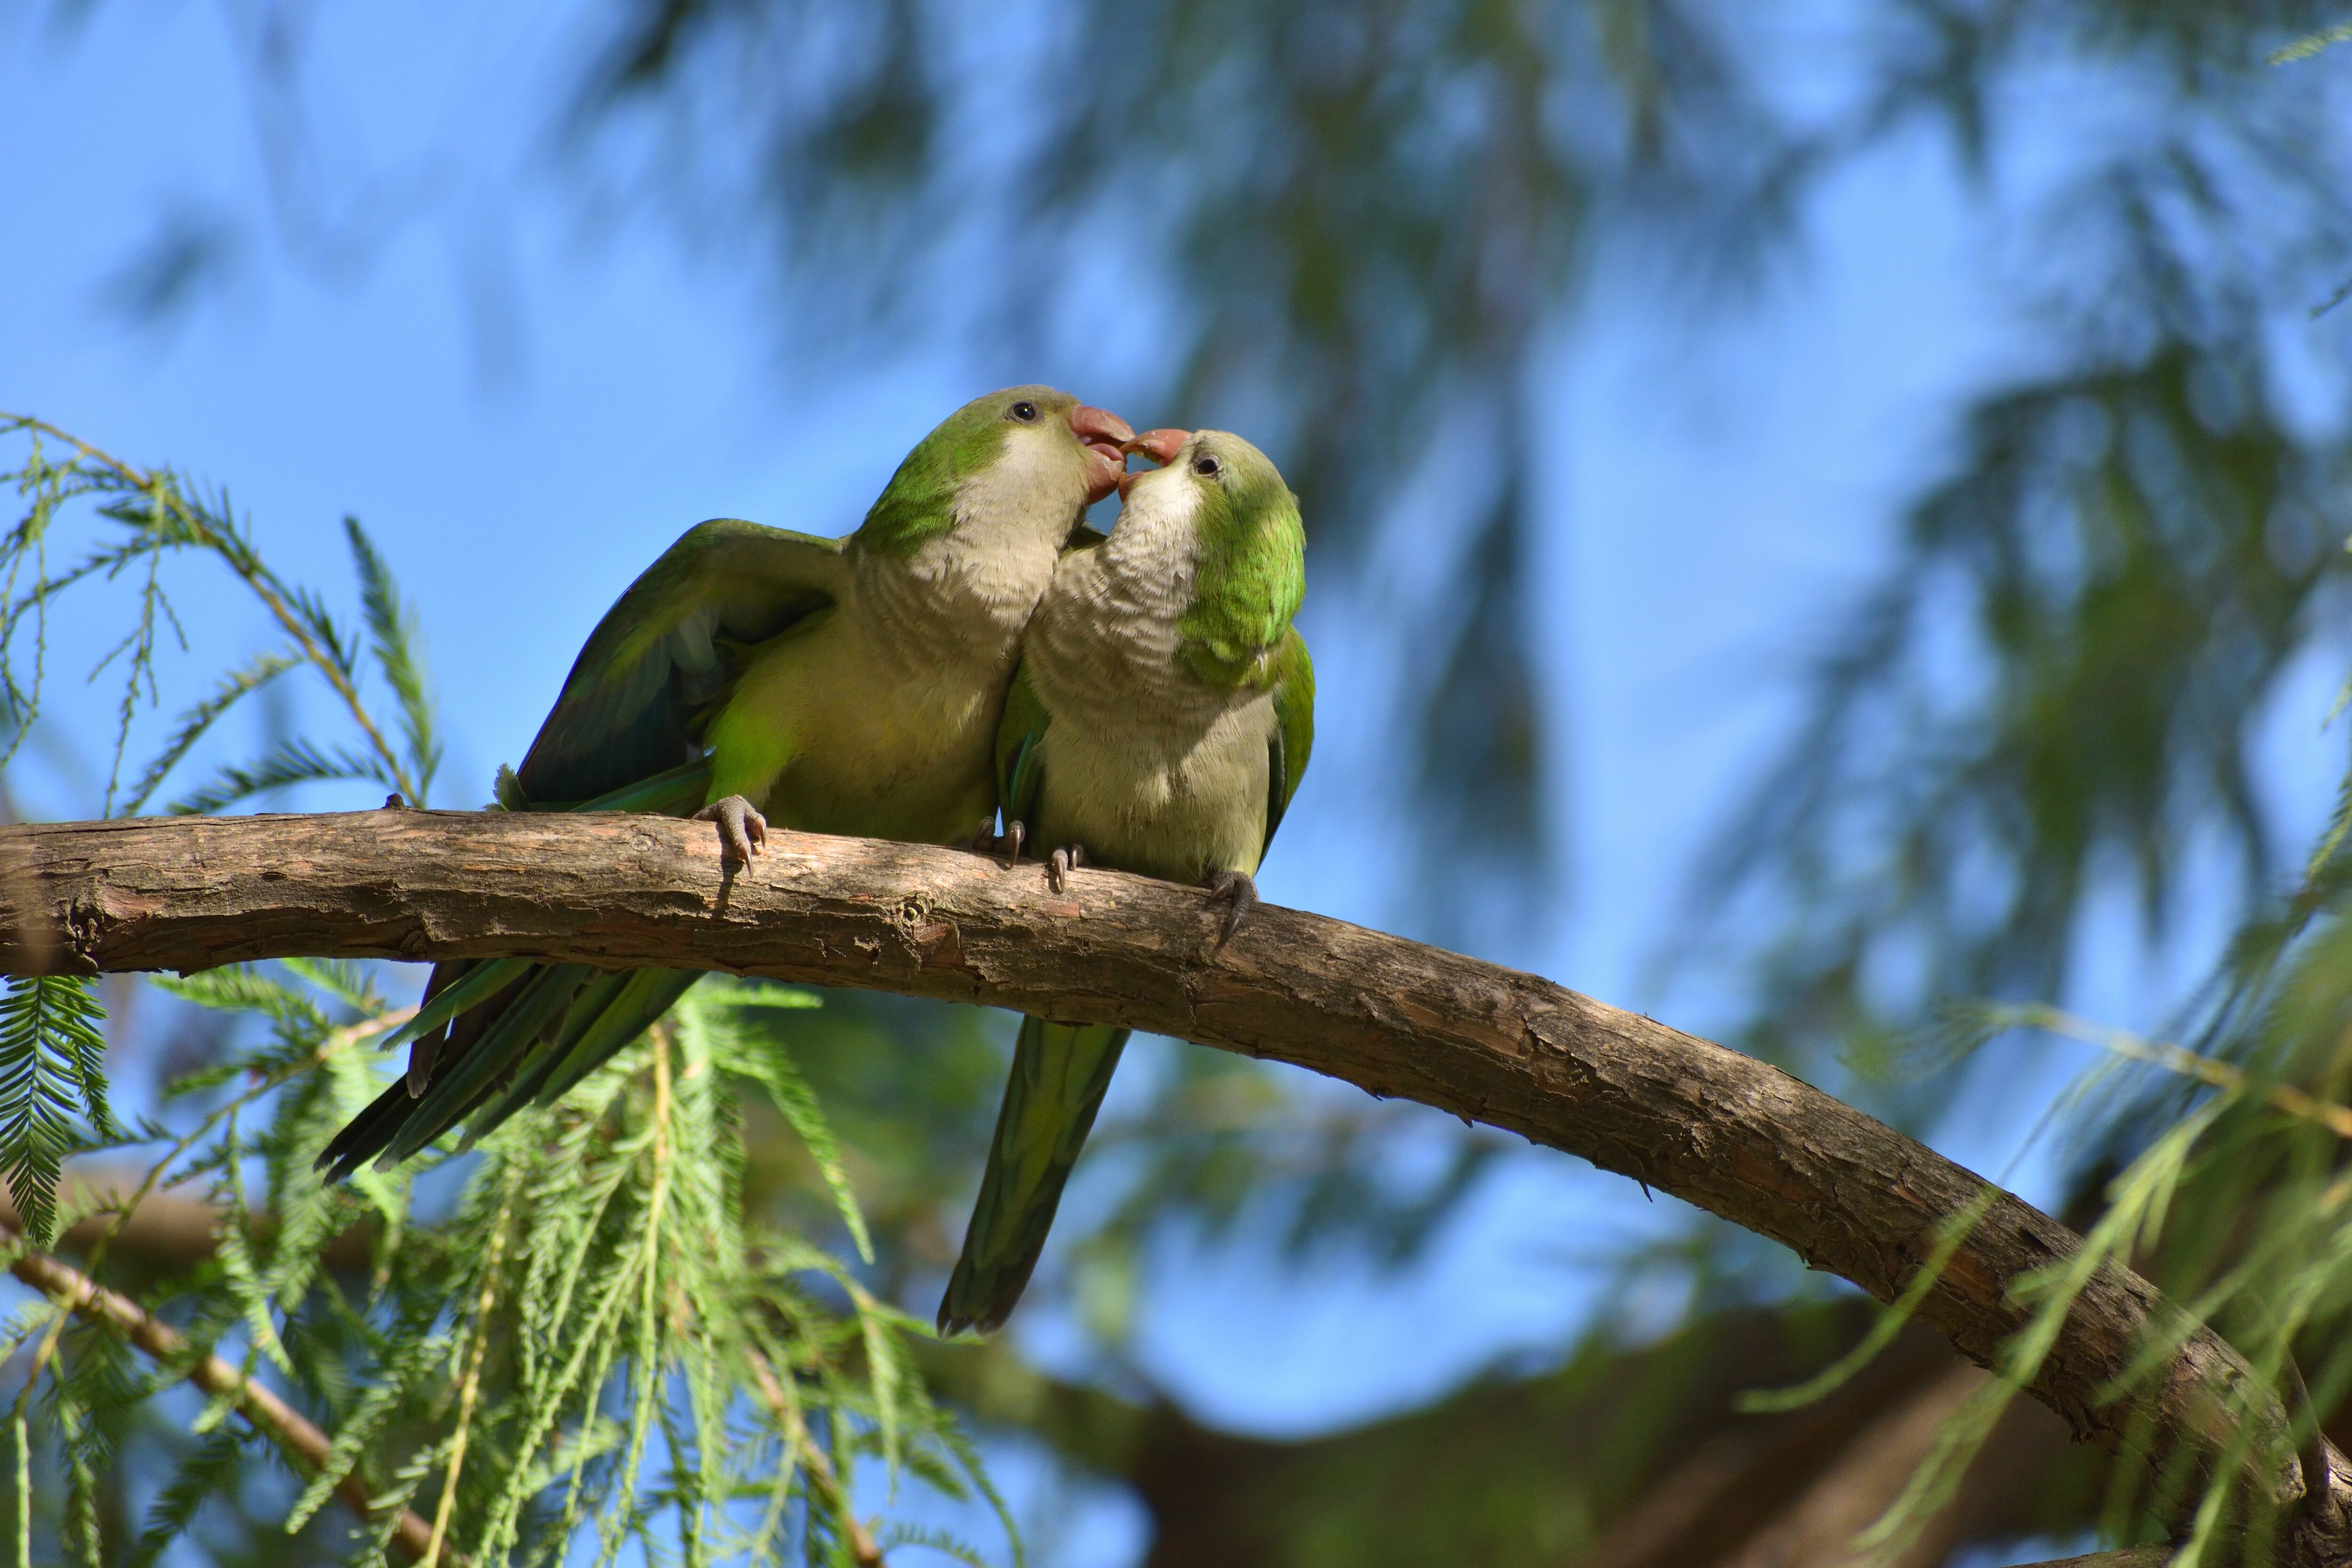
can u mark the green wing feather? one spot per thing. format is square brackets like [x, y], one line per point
[1018, 734]
[1293, 674]
[636, 699]
[626, 734]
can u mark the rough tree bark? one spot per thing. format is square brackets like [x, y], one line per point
[1722, 1130]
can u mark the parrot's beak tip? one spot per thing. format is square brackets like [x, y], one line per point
[1160, 446]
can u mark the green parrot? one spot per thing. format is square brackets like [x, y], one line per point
[1160, 722]
[849, 686]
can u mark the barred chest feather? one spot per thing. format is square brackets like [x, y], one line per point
[1149, 767]
[963, 597]
[1102, 648]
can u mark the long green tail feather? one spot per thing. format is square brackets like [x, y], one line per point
[586, 1009]
[1060, 1072]
[364, 1136]
[476, 985]
[610, 1012]
[639, 1005]
[458, 1085]
[600, 1016]
[480, 1023]
[491, 985]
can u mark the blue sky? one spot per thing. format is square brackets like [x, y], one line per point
[525, 407]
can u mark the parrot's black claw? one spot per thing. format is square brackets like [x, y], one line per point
[1063, 861]
[1238, 887]
[741, 830]
[1009, 842]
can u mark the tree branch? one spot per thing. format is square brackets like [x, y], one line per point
[284, 1425]
[1725, 1132]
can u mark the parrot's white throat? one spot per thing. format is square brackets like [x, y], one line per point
[1103, 646]
[967, 593]
[1150, 554]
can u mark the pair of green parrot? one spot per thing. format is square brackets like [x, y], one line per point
[1138, 701]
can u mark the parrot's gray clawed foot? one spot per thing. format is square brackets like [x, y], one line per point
[1238, 887]
[741, 830]
[984, 842]
[1063, 861]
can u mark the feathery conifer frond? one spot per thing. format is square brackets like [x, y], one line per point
[164, 518]
[2216, 1169]
[52, 1068]
[594, 1350]
[641, 1358]
[215, 1465]
[391, 632]
[750, 1054]
[198, 721]
[294, 762]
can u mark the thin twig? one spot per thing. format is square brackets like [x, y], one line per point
[863, 1547]
[281, 1421]
[334, 1040]
[470, 1389]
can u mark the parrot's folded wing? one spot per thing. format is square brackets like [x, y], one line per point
[637, 697]
[1294, 728]
[1018, 733]
[625, 735]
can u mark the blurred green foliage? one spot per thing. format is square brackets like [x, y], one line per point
[1371, 216]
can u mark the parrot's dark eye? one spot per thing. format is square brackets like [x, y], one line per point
[1208, 466]
[1025, 411]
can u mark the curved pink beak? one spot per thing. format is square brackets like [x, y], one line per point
[1105, 434]
[1160, 446]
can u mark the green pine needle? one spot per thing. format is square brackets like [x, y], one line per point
[235, 686]
[2310, 44]
[391, 628]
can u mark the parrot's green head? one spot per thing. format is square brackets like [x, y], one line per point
[1025, 459]
[1218, 505]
